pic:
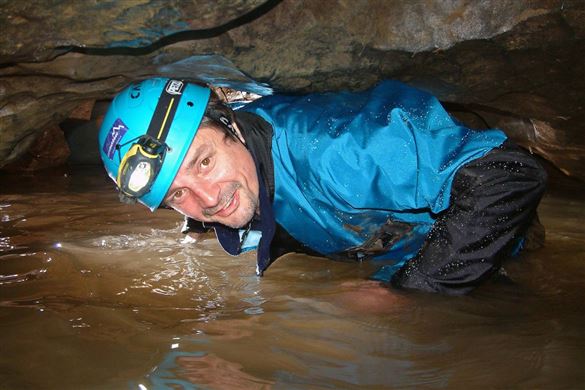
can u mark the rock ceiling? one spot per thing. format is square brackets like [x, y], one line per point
[514, 64]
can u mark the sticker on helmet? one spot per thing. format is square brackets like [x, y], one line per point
[114, 137]
[174, 87]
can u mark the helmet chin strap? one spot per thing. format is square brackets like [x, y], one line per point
[233, 128]
[226, 122]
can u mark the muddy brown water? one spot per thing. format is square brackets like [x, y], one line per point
[95, 294]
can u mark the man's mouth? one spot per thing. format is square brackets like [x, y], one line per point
[230, 205]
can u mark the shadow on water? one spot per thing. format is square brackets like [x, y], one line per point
[96, 294]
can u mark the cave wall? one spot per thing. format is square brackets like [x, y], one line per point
[514, 64]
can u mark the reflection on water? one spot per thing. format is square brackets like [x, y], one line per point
[95, 294]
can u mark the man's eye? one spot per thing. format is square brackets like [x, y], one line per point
[177, 195]
[205, 162]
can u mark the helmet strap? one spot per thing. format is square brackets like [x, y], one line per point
[143, 160]
[165, 110]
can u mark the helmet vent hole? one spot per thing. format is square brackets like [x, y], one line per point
[190, 104]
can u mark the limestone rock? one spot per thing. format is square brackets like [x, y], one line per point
[518, 62]
[45, 150]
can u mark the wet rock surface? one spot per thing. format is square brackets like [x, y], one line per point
[517, 65]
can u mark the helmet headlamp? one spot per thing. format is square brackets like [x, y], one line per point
[146, 134]
[140, 166]
[142, 162]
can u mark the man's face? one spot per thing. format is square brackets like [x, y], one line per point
[217, 181]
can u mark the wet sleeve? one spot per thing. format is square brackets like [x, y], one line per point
[493, 201]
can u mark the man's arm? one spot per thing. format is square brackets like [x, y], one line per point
[493, 201]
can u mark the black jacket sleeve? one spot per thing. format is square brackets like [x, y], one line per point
[493, 201]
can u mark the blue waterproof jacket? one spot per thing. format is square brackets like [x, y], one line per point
[365, 174]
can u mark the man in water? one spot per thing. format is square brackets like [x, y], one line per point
[383, 174]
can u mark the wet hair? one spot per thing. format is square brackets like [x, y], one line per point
[220, 116]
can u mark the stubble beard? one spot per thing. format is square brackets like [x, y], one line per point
[246, 210]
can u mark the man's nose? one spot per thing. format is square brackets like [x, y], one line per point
[207, 193]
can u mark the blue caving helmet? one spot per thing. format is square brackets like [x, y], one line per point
[146, 134]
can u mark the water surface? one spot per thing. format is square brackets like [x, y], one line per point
[95, 294]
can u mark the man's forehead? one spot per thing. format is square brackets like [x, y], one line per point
[205, 133]
[199, 146]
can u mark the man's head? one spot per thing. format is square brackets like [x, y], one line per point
[149, 147]
[217, 181]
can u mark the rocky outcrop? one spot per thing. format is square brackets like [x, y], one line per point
[517, 64]
[48, 149]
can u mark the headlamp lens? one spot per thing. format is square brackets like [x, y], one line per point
[140, 166]
[140, 176]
